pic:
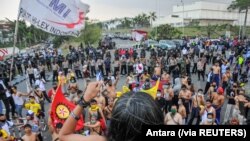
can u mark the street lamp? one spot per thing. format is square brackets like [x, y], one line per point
[183, 31]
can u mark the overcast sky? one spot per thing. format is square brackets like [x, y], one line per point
[110, 9]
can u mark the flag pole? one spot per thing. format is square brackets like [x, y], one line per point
[15, 41]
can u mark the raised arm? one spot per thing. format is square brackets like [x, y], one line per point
[67, 131]
[116, 80]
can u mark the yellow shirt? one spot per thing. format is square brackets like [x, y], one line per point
[4, 134]
[62, 80]
[33, 107]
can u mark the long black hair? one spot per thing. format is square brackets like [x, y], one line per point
[130, 113]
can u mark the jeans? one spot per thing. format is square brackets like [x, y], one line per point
[201, 73]
[55, 75]
[10, 107]
[194, 68]
[78, 73]
[131, 69]
[93, 71]
[218, 112]
[107, 71]
[19, 109]
[42, 74]
[46, 96]
[32, 78]
[100, 67]
[123, 69]
[42, 105]
[195, 113]
[65, 71]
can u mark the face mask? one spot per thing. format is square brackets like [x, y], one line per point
[173, 111]
[199, 93]
[92, 121]
[179, 102]
[158, 95]
[209, 120]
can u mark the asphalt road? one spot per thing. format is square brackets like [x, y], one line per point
[120, 44]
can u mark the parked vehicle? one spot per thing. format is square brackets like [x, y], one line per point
[107, 43]
[167, 44]
[148, 44]
[179, 43]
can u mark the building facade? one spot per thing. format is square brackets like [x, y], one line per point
[6, 32]
[204, 13]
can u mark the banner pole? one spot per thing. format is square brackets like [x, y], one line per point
[14, 43]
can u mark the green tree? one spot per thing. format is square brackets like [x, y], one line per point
[141, 20]
[242, 6]
[165, 31]
[153, 17]
[126, 22]
[145, 20]
[91, 34]
[25, 33]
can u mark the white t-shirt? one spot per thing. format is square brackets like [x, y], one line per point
[184, 51]
[6, 126]
[112, 78]
[204, 116]
[40, 84]
[18, 100]
[223, 68]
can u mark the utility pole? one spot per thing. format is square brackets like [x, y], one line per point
[240, 25]
[183, 30]
[157, 14]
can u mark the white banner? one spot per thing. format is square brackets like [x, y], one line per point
[7, 51]
[139, 35]
[59, 17]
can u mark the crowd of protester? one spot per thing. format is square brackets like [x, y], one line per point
[221, 65]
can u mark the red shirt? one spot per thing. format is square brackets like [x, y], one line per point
[51, 92]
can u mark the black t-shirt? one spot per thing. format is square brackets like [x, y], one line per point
[231, 92]
[160, 102]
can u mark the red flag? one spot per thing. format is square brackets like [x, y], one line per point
[61, 108]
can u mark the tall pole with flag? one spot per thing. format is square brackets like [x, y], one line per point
[183, 22]
[58, 17]
[14, 43]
